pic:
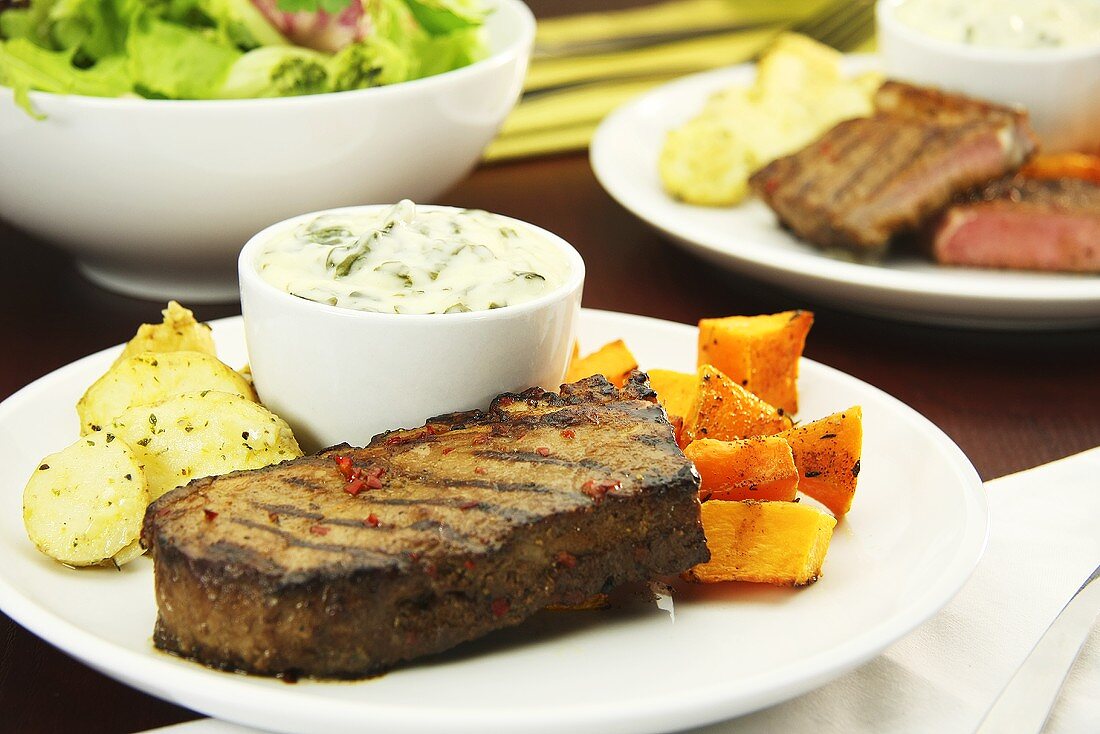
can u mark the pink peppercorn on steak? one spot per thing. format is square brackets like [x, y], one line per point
[345, 563]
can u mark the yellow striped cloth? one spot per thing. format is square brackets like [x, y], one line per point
[578, 74]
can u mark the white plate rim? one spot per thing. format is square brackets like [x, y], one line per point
[1062, 294]
[191, 685]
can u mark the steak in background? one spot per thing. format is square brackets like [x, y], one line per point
[871, 178]
[344, 563]
[1024, 223]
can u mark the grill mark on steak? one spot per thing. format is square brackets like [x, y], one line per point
[530, 457]
[298, 542]
[456, 503]
[289, 510]
[453, 555]
[848, 143]
[869, 179]
[428, 524]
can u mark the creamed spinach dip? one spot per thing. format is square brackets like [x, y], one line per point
[1019, 24]
[413, 261]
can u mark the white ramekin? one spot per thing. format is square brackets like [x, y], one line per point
[337, 375]
[1059, 87]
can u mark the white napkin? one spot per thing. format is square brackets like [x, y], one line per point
[1044, 541]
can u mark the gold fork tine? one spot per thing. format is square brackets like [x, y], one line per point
[855, 33]
[835, 21]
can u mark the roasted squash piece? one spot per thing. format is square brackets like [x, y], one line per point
[675, 390]
[759, 352]
[1063, 165]
[724, 410]
[613, 360]
[781, 543]
[760, 468]
[826, 452]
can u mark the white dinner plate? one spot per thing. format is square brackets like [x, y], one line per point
[747, 238]
[915, 532]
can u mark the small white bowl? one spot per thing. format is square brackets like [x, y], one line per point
[339, 375]
[156, 197]
[1059, 87]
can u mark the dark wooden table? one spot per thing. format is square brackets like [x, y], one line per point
[1010, 400]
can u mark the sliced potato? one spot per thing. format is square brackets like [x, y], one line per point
[179, 332]
[201, 434]
[86, 503]
[799, 93]
[150, 377]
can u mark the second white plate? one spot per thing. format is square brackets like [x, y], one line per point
[916, 531]
[747, 239]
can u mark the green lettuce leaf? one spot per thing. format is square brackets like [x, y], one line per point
[444, 16]
[277, 71]
[30, 23]
[437, 54]
[95, 29]
[25, 66]
[312, 6]
[22, 62]
[169, 60]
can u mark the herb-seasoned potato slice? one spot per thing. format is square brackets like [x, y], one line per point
[179, 332]
[150, 377]
[201, 434]
[86, 503]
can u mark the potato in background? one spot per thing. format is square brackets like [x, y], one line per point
[799, 93]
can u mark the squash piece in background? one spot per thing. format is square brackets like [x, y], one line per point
[826, 452]
[1063, 165]
[759, 352]
[724, 410]
[675, 390]
[782, 543]
[760, 468]
[613, 360]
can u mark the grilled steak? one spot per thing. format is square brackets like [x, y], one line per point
[1023, 223]
[870, 178]
[344, 563]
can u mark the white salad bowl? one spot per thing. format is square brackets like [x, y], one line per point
[340, 375]
[1059, 87]
[156, 197]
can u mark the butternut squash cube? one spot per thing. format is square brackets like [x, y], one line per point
[759, 352]
[724, 410]
[613, 360]
[826, 453]
[675, 390]
[782, 543]
[760, 468]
